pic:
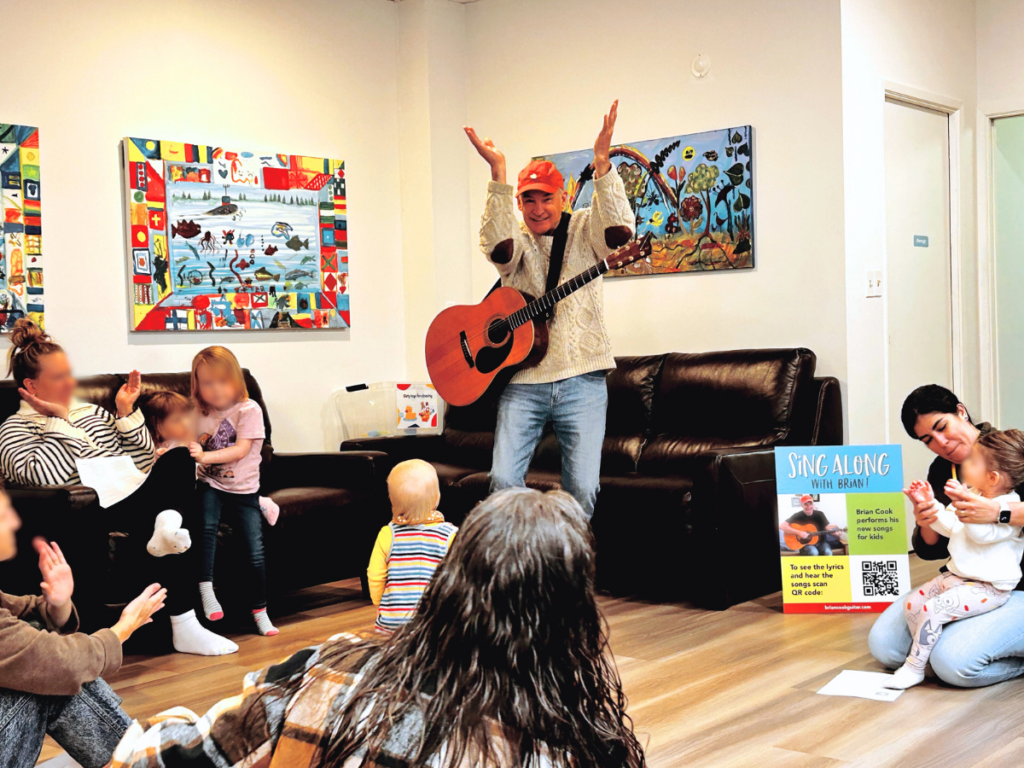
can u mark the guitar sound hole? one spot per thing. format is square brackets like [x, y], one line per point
[497, 331]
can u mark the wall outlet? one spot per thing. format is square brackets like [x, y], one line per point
[874, 284]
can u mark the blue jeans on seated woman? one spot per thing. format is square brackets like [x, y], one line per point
[88, 726]
[973, 653]
[577, 409]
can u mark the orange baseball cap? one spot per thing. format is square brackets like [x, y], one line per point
[806, 497]
[542, 175]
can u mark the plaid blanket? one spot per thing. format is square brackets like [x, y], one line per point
[272, 725]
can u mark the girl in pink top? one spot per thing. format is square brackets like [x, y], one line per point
[228, 453]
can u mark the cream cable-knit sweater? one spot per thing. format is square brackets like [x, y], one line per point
[578, 341]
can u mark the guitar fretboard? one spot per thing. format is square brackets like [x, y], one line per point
[541, 305]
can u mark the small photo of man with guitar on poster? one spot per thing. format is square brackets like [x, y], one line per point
[809, 531]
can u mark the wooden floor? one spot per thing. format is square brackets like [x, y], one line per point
[735, 688]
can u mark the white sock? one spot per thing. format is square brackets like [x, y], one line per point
[190, 636]
[169, 538]
[906, 677]
[211, 607]
[263, 623]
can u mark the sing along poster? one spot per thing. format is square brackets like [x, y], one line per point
[842, 528]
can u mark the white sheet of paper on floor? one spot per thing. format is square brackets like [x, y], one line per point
[113, 478]
[864, 685]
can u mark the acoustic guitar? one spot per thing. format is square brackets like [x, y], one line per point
[811, 535]
[468, 346]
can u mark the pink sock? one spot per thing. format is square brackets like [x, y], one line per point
[263, 623]
[269, 509]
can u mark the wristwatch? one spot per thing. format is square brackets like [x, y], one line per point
[1004, 512]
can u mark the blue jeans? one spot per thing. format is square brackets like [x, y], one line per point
[973, 653]
[249, 520]
[577, 408]
[88, 726]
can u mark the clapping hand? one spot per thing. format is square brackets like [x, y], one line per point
[42, 406]
[922, 497]
[603, 145]
[491, 154]
[57, 584]
[971, 507]
[128, 394]
[139, 611]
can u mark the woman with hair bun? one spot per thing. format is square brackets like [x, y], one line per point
[40, 444]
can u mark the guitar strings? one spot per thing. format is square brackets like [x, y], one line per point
[573, 285]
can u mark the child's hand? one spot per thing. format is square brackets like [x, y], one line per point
[196, 451]
[160, 452]
[925, 490]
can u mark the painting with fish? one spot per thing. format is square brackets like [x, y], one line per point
[232, 240]
[694, 193]
[21, 233]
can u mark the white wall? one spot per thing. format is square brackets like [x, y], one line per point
[315, 77]
[927, 45]
[541, 72]
[1000, 25]
[434, 166]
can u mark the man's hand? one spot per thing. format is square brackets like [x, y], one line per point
[490, 153]
[971, 508]
[603, 145]
[43, 407]
[195, 450]
[138, 612]
[128, 394]
[58, 584]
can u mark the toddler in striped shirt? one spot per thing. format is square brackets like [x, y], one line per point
[410, 547]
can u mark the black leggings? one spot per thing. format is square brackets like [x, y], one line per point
[171, 484]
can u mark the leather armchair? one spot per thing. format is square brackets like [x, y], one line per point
[687, 508]
[332, 506]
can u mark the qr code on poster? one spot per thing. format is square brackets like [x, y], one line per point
[880, 578]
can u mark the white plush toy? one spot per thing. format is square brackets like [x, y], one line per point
[169, 538]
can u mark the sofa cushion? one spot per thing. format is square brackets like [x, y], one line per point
[734, 399]
[296, 502]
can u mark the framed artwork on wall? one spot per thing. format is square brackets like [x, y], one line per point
[21, 230]
[221, 239]
[694, 192]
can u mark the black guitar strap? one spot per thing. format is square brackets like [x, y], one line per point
[561, 237]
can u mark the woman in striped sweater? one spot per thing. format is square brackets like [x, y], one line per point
[51, 430]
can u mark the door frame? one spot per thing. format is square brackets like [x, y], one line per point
[953, 109]
[988, 339]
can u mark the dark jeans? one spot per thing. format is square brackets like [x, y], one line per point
[245, 511]
[88, 726]
[171, 484]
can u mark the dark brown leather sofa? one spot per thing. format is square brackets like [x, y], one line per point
[332, 506]
[687, 508]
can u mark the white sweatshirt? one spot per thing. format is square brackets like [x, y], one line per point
[988, 552]
[578, 340]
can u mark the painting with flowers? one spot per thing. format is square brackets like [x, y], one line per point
[695, 193]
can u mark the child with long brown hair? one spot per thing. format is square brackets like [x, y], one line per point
[228, 452]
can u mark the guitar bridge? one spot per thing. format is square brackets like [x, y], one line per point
[465, 349]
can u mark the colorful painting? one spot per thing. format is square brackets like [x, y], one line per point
[21, 231]
[694, 192]
[230, 240]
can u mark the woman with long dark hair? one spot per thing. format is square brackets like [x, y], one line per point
[506, 664]
[987, 649]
